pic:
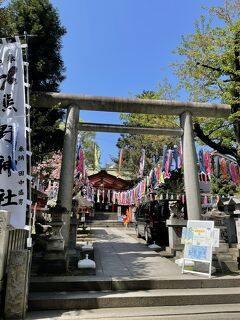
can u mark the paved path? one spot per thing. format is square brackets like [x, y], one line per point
[118, 253]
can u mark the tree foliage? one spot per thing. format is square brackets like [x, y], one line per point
[41, 22]
[153, 145]
[222, 187]
[210, 72]
[88, 140]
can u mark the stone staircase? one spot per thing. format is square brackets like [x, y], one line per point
[104, 219]
[68, 293]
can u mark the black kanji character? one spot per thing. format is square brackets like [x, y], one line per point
[21, 158]
[8, 103]
[21, 173]
[21, 182]
[6, 165]
[21, 149]
[9, 77]
[20, 201]
[7, 197]
[4, 131]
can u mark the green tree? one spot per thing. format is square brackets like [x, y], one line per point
[40, 20]
[6, 24]
[88, 140]
[210, 72]
[153, 145]
[222, 187]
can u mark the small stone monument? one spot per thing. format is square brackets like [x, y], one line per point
[175, 224]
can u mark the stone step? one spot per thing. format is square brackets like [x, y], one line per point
[103, 223]
[212, 311]
[116, 299]
[78, 283]
[105, 216]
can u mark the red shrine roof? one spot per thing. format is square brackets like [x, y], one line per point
[105, 180]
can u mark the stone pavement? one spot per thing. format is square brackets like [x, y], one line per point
[118, 253]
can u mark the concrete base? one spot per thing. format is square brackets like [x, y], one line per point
[175, 232]
[87, 272]
[234, 252]
[203, 267]
[229, 266]
[55, 262]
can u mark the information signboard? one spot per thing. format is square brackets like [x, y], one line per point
[199, 238]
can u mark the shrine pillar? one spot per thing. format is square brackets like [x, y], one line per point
[191, 182]
[65, 192]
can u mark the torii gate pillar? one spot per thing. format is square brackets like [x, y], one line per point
[67, 169]
[191, 182]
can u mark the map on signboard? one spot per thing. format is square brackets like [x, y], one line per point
[199, 237]
[200, 253]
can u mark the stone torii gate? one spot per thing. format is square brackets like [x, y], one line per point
[185, 110]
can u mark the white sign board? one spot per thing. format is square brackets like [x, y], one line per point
[13, 164]
[199, 238]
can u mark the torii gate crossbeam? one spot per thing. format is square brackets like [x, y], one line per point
[125, 105]
[116, 128]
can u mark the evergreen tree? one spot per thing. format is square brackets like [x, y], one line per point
[41, 22]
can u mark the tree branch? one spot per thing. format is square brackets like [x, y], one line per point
[214, 68]
[215, 129]
[218, 147]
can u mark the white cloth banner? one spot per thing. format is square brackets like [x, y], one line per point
[13, 162]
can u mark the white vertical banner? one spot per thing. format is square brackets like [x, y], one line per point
[13, 161]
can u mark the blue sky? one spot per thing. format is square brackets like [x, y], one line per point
[120, 48]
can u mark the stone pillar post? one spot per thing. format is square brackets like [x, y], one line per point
[191, 182]
[4, 221]
[67, 168]
[17, 285]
